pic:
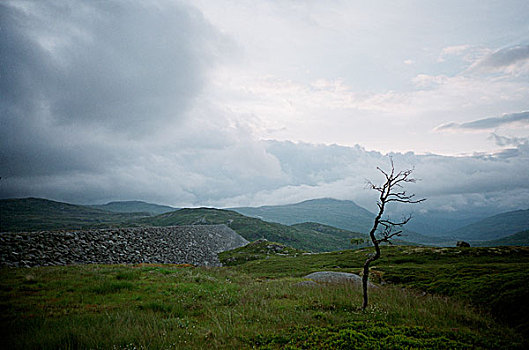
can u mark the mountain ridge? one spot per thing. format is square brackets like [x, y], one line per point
[30, 214]
[134, 206]
[342, 214]
[494, 227]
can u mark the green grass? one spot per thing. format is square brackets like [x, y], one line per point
[494, 278]
[174, 307]
[257, 250]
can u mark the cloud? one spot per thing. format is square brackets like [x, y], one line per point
[455, 50]
[116, 100]
[511, 60]
[467, 184]
[507, 120]
[126, 67]
[86, 86]
[508, 141]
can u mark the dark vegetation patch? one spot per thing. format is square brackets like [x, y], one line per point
[377, 335]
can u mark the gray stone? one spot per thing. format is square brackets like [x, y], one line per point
[332, 277]
[306, 284]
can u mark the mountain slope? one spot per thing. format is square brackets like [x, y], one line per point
[518, 239]
[253, 228]
[134, 207]
[338, 213]
[495, 227]
[31, 214]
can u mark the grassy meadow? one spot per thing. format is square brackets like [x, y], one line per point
[258, 305]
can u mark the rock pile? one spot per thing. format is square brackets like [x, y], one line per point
[197, 245]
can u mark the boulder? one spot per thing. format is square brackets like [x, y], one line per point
[332, 277]
[306, 284]
[462, 244]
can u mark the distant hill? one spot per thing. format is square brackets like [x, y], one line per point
[341, 214]
[440, 223]
[31, 214]
[338, 213]
[134, 207]
[303, 237]
[347, 235]
[518, 239]
[494, 227]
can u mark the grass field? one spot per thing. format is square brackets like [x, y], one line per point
[254, 305]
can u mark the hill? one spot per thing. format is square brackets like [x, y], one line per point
[30, 214]
[494, 227]
[440, 223]
[134, 207]
[518, 239]
[300, 237]
[34, 214]
[338, 213]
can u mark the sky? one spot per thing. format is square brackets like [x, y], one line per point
[246, 103]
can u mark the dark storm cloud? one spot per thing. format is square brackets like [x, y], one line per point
[79, 79]
[104, 100]
[488, 123]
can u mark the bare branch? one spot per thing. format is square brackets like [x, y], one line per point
[390, 191]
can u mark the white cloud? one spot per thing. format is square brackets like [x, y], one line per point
[455, 50]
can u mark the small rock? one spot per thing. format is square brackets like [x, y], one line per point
[306, 284]
[332, 277]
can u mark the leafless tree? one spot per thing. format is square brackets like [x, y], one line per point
[384, 230]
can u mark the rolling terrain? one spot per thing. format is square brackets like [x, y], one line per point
[328, 211]
[33, 214]
[518, 239]
[134, 207]
[428, 298]
[316, 225]
[494, 227]
[39, 214]
[494, 278]
[304, 237]
[337, 213]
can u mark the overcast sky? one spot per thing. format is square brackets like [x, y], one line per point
[228, 103]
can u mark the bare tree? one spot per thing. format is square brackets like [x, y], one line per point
[391, 191]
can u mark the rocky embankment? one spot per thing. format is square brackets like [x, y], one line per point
[197, 245]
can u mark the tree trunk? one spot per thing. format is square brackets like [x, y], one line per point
[364, 283]
[365, 277]
[387, 194]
